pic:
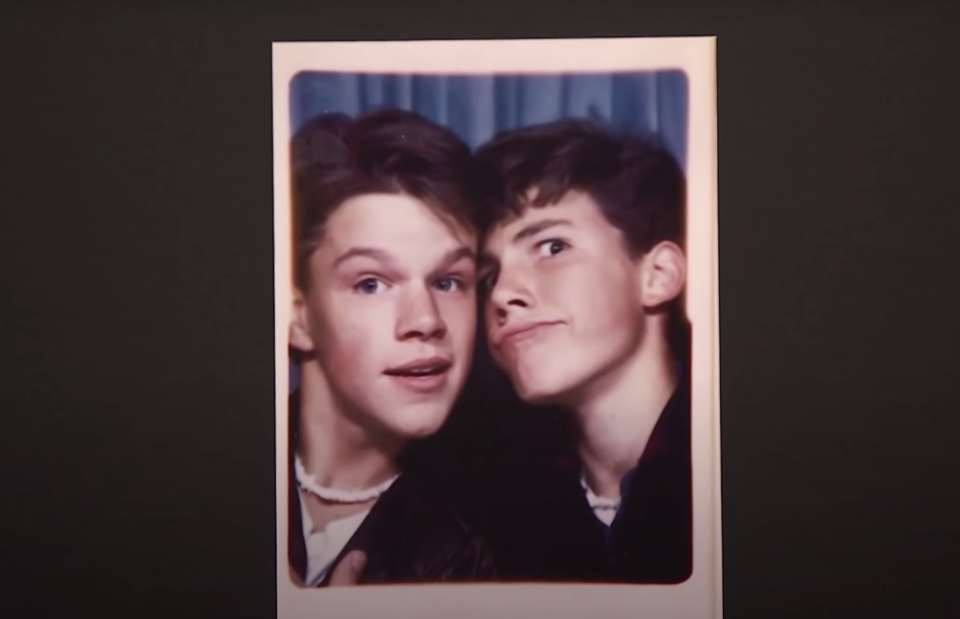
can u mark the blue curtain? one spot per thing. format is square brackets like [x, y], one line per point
[478, 107]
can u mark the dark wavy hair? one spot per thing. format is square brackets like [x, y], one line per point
[636, 182]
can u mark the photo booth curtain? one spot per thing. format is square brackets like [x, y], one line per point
[478, 107]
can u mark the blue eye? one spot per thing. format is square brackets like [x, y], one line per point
[551, 247]
[447, 284]
[369, 285]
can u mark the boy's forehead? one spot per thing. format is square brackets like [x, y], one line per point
[390, 214]
[529, 214]
[394, 226]
[498, 230]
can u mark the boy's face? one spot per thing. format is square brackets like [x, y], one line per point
[565, 302]
[390, 316]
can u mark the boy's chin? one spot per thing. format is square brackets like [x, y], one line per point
[419, 426]
[542, 390]
[538, 397]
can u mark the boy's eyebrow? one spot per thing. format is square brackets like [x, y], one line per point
[487, 259]
[363, 252]
[450, 258]
[456, 255]
[538, 227]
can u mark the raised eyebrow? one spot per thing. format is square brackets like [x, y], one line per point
[538, 227]
[456, 255]
[363, 252]
[380, 255]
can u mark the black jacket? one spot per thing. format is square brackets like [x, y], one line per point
[422, 529]
[556, 536]
[526, 519]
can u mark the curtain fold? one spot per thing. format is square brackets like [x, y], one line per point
[478, 107]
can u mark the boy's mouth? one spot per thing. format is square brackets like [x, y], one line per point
[422, 376]
[421, 368]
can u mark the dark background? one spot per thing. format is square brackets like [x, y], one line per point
[137, 438]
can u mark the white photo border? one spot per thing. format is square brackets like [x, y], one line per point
[700, 597]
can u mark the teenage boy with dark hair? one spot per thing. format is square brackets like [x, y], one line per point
[383, 326]
[583, 272]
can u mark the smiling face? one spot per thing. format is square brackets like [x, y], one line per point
[389, 315]
[565, 300]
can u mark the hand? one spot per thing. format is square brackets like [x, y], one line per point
[347, 572]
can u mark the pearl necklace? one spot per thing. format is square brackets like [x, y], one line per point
[334, 495]
[598, 502]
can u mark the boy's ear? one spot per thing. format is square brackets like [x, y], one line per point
[300, 337]
[663, 274]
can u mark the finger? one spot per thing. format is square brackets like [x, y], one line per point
[348, 571]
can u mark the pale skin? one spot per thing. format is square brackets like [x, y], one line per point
[392, 282]
[604, 354]
[598, 345]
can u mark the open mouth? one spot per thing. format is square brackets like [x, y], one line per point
[424, 376]
[421, 369]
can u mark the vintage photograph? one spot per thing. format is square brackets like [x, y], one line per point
[497, 333]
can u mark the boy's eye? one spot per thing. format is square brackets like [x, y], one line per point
[488, 281]
[551, 247]
[448, 284]
[369, 285]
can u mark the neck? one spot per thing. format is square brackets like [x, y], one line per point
[616, 414]
[333, 447]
